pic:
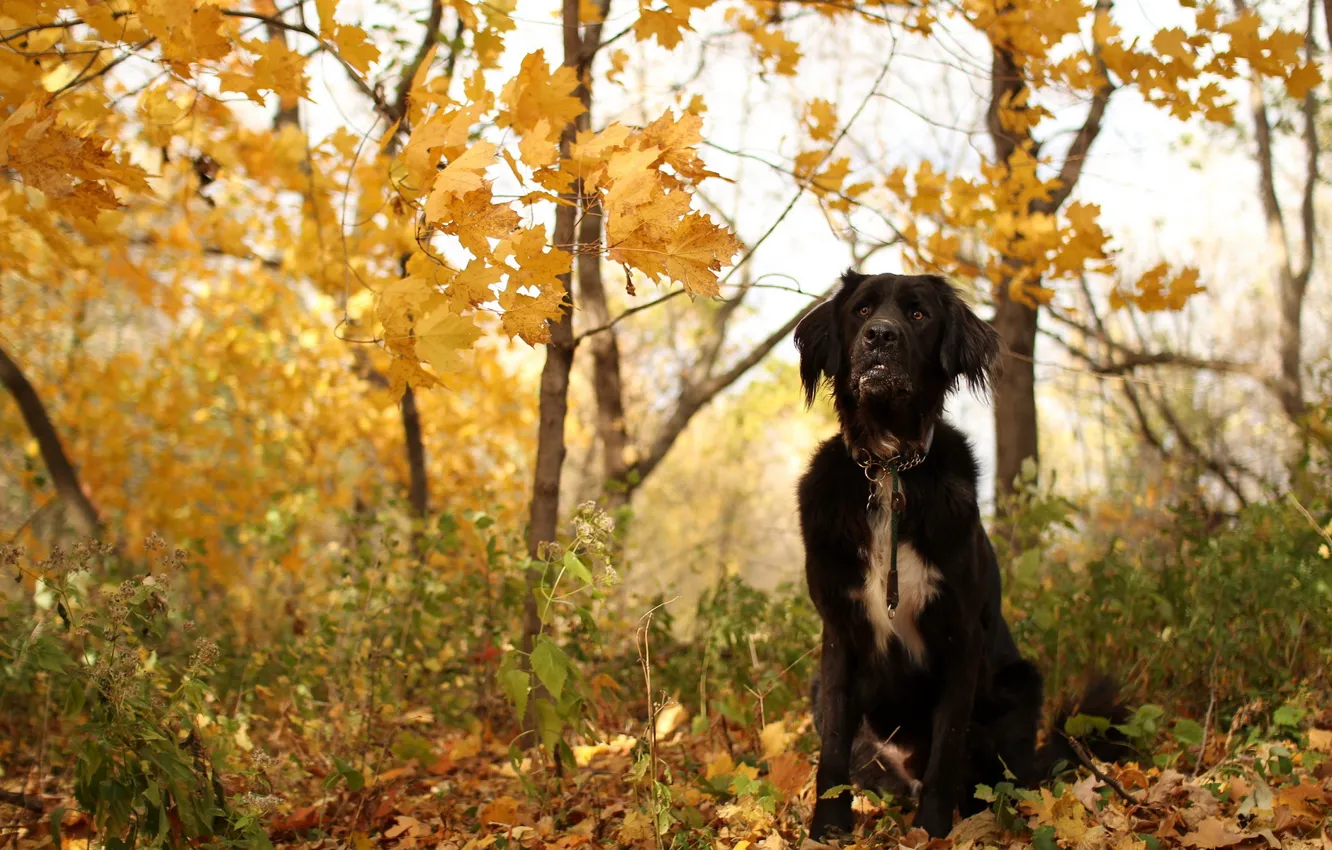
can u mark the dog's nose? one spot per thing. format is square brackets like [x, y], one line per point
[881, 333]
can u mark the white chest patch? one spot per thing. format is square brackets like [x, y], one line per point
[917, 584]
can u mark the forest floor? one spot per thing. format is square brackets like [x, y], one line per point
[1268, 794]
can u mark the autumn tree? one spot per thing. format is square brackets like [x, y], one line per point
[1128, 344]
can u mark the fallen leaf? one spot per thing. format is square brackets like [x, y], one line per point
[636, 826]
[503, 810]
[775, 739]
[980, 828]
[788, 773]
[404, 823]
[1321, 740]
[1215, 832]
[302, 818]
[669, 718]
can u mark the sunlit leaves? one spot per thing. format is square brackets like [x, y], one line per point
[820, 120]
[538, 98]
[1157, 289]
[77, 173]
[278, 69]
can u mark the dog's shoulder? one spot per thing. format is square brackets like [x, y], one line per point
[954, 459]
[828, 492]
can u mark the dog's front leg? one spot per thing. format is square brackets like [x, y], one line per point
[840, 720]
[948, 749]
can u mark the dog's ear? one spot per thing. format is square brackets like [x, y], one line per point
[970, 349]
[820, 347]
[817, 339]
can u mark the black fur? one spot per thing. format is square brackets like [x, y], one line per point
[892, 348]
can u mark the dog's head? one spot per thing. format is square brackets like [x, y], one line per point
[893, 347]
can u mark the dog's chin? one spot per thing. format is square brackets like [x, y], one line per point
[881, 384]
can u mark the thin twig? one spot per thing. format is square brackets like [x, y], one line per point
[1313, 522]
[1081, 753]
[1207, 718]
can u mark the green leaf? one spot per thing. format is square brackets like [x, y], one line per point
[517, 684]
[835, 791]
[354, 778]
[57, 815]
[1082, 725]
[1044, 839]
[1189, 733]
[1288, 716]
[550, 665]
[575, 566]
[985, 793]
[549, 724]
[743, 784]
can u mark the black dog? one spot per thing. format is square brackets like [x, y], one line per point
[915, 646]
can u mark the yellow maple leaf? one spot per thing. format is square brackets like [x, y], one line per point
[537, 148]
[678, 139]
[1065, 814]
[539, 97]
[464, 174]
[442, 133]
[1301, 79]
[928, 198]
[697, 252]
[1172, 42]
[664, 25]
[821, 119]
[475, 218]
[533, 268]
[590, 151]
[208, 42]
[639, 235]
[1183, 287]
[102, 18]
[353, 46]
[471, 286]
[408, 373]
[326, 10]
[442, 336]
[278, 69]
[632, 177]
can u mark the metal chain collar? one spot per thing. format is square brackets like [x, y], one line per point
[876, 470]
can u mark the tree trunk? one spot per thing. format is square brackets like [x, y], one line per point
[554, 401]
[554, 406]
[63, 476]
[1015, 429]
[612, 426]
[417, 491]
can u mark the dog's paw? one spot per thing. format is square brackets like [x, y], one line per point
[832, 819]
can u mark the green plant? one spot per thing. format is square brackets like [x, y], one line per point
[118, 665]
[568, 588]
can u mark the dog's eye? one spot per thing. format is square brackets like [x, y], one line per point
[917, 315]
[863, 311]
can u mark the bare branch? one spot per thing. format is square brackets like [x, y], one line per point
[428, 40]
[1082, 142]
[63, 475]
[1130, 359]
[695, 396]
